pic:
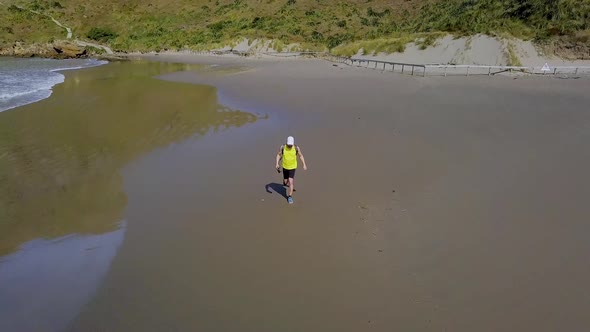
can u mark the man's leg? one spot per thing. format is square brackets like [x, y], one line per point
[291, 182]
[286, 184]
[285, 178]
[291, 186]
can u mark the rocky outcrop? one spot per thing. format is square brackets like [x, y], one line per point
[56, 50]
[20, 49]
[68, 49]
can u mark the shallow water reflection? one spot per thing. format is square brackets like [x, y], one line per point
[59, 175]
[48, 281]
[59, 158]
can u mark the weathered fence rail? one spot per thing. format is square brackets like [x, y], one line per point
[402, 67]
[467, 70]
[464, 70]
[416, 69]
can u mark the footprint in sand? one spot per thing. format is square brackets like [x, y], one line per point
[367, 216]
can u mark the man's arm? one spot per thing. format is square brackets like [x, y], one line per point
[278, 158]
[302, 158]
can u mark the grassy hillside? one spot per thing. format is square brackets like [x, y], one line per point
[166, 24]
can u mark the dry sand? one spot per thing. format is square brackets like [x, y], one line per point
[429, 205]
[478, 50]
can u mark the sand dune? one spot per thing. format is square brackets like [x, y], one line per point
[476, 50]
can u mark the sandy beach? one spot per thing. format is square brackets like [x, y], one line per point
[430, 204]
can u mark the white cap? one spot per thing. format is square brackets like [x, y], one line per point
[290, 140]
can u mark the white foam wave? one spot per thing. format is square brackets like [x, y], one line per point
[28, 82]
[94, 63]
[25, 99]
[34, 86]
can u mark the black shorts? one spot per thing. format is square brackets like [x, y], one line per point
[288, 173]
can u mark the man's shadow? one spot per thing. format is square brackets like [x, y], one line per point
[276, 187]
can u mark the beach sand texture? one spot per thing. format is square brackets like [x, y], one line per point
[430, 204]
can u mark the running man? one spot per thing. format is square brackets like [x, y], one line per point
[288, 153]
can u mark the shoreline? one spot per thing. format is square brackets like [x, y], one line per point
[39, 90]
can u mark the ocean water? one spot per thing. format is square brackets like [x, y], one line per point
[25, 81]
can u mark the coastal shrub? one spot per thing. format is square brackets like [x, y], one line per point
[278, 46]
[14, 9]
[539, 17]
[295, 31]
[348, 49]
[318, 23]
[36, 5]
[337, 39]
[95, 50]
[394, 44]
[121, 45]
[372, 13]
[101, 34]
[156, 32]
[216, 28]
[317, 36]
[513, 59]
[423, 42]
[261, 23]
[387, 28]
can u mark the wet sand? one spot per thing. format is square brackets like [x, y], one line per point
[429, 205]
[62, 197]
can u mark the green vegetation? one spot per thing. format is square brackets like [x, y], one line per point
[395, 43]
[373, 46]
[428, 40]
[94, 50]
[316, 24]
[513, 59]
[101, 34]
